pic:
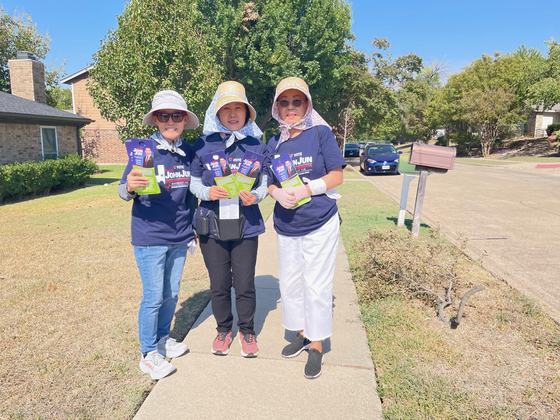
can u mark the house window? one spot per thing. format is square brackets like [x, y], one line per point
[49, 143]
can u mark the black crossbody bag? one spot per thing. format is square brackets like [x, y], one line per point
[228, 229]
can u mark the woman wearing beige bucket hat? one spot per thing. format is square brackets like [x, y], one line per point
[229, 245]
[162, 230]
[307, 235]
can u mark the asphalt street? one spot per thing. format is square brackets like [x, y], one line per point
[510, 214]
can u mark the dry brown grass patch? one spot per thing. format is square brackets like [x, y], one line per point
[502, 362]
[69, 297]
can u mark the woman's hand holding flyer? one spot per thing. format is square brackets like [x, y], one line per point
[247, 198]
[299, 192]
[217, 193]
[285, 198]
[142, 178]
[286, 172]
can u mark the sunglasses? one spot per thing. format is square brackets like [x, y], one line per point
[164, 116]
[296, 102]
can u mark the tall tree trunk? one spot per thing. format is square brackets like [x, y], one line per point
[266, 119]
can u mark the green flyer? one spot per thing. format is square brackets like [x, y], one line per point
[229, 184]
[153, 186]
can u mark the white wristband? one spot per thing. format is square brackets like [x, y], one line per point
[317, 186]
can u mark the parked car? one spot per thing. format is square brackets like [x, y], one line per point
[351, 149]
[362, 144]
[379, 159]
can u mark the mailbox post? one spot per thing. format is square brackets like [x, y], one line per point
[428, 158]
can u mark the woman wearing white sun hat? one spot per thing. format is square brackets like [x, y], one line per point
[307, 236]
[229, 128]
[161, 230]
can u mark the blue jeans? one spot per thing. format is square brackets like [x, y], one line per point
[161, 269]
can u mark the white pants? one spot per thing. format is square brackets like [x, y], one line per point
[306, 280]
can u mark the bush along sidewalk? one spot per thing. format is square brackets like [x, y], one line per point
[19, 180]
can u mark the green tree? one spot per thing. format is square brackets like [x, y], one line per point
[260, 43]
[18, 33]
[414, 99]
[546, 91]
[60, 98]
[57, 96]
[487, 113]
[192, 46]
[484, 99]
[157, 45]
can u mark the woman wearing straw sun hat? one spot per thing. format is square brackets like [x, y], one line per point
[230, 253]
[307, 236]
[161, 229]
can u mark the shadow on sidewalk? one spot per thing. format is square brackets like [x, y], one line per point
[268, 296]
[188, 314]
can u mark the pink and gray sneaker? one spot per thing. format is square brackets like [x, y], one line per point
[249, 346]
[221, 343]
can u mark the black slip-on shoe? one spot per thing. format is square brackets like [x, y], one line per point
[313, 367]
[293, 349]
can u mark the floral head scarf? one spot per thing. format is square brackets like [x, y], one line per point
[311, 117]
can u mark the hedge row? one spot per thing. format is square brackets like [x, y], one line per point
[32, 178]
[552, 128]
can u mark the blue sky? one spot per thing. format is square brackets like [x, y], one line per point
[450, 31]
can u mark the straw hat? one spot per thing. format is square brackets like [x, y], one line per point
[233, 92]
[169, 99]
[292, 83]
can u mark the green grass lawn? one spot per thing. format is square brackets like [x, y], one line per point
[476, 161]
[109, 174]
[552, 159]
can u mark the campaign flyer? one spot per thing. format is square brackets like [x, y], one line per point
[249, 170]
[285, 171]
[141, 158]
[217, 163]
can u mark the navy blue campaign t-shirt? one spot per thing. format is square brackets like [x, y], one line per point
[165, 218]
[254, 224]
[314, 153]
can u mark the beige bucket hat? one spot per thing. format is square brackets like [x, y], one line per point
[292, 83]
[233, 92]
[169, 99]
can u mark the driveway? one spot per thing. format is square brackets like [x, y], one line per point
[510, 214]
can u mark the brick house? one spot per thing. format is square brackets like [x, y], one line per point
[100, 137]
[29, 128]
[539, 120]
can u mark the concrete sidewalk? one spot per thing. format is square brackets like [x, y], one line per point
[206, 386]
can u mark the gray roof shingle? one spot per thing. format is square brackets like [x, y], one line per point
[19, 108]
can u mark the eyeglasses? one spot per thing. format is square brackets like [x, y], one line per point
[164, 116]
[296, 102]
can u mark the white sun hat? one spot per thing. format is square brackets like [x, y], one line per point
[169, 99]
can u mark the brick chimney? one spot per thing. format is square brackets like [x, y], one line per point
[27, 77]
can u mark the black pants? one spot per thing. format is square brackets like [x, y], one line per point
[232, 263]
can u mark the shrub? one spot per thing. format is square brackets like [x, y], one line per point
[18, 180]
[467, 143]
[392, 262]
[552, 128]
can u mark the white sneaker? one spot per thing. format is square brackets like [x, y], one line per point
[169, 347]
[156, 365]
